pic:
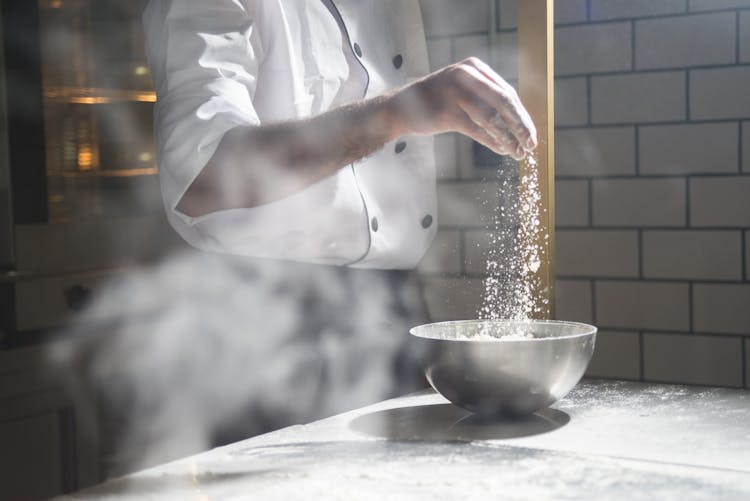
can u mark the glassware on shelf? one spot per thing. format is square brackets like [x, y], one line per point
[98, 107]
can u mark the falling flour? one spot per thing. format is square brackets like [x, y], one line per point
[512, 285]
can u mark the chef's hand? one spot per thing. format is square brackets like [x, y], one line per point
[471, 98]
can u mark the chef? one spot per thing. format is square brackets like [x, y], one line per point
[301, 131]
[280, 134]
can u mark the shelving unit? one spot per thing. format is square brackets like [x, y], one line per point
[98, 105]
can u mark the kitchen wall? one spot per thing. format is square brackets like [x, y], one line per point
[653, 180]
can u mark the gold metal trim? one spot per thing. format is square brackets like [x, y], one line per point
[536, 73]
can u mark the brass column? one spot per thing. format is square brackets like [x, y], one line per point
[536, 82]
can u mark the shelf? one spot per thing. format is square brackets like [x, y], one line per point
[93, 95]
[139, 171]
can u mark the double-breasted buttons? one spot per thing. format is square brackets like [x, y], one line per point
[357, 49]
[426, 221]
[398, 60]
[374, 224]
[400, 146]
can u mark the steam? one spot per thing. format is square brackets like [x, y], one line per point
[202, 349]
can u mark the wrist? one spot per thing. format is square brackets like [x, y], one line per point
[393, 116]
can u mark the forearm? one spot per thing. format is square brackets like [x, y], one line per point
[256, 165]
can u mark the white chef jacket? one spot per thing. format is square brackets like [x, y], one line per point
[219, 64]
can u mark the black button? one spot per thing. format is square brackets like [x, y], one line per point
[357, 49]
[374, 224]
[426, 221]
[398, 61]
[400, 146]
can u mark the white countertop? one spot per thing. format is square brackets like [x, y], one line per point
[605, 440]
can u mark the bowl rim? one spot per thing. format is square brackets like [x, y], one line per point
[590, 330]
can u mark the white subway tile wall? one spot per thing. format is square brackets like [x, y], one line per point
[638, 98]
[686, 255]
[652, 208]
[745, 36]
[571, 101]
[595, 48]
[452, 298]
[701, 39]
[721, 308]
[440, 52]
[706, 360]
[617, 354]
[571, 11]
[507, 13]
[639, 202]
[705, 148]
[472, 45]
[720, 93]
[720, 201]
[573, 300]
[597, 253]
[572, 202]
[469, 205]
[603, 10]
[745, 149]
[700, 5]
[448, 17]
[506, 55]
[642, 305]
[595, 152]
[444, 256]
[446, 154]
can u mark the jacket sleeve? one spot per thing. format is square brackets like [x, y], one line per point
[204, 58]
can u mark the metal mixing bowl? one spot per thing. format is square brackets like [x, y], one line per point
[468, 365]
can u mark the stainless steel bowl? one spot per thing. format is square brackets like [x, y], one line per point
[468, 365]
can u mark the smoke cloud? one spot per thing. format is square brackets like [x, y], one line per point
[202, 349]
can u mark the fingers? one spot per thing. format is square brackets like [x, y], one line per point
[497, 137]
[475, 78]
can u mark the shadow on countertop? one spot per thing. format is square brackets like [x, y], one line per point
[446, 422]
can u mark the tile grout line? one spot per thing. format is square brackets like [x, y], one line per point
[653, 123]
[737, 38]
[632, 45]
[642, 17]
[691, 309]
[745, 375]
[641, 357]
[592, 283]
[688, 183]
[687, 95]
[590, 184]
[589, 112]
[640, 254]
[649, 71]
[659, 280]
[637, 150]
[739, 147]
[743, 254]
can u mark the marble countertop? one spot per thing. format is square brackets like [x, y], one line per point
[605, 440]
